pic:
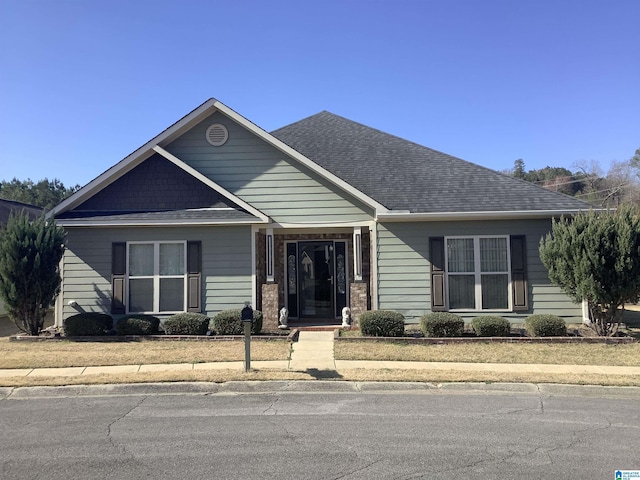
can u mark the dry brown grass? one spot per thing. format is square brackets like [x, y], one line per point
[66, 353]
[546, 353]
[393, 375]
[217, 376]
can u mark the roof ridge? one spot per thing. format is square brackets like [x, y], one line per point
[272, 132]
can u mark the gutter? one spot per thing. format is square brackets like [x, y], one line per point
[406, 216]
[150, 223]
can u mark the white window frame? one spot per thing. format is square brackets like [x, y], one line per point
[478, 273]
[156, 275]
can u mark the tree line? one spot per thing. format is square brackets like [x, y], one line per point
[44, 193]
[619, 185]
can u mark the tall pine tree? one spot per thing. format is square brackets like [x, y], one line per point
[30, 253]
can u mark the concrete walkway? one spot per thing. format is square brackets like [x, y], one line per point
[314, 352]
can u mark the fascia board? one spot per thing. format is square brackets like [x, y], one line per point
[135, 158]
[151, 223]
[487, 215]
[286, 149]
[207, 181]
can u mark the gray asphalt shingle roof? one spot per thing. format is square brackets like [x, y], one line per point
[11, 206]
[402, 175]
[200, 215]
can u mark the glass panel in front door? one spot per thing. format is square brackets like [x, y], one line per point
[316, 279]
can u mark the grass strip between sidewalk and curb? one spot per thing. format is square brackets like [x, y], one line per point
[359, 375]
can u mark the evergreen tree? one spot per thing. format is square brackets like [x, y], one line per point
[44, 193]
[30, 253]
[595, 256]
[518, 169]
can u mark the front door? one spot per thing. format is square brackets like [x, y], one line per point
[316, 283]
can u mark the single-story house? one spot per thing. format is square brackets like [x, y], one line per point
[315, 216]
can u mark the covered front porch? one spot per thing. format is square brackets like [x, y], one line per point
[313, 273]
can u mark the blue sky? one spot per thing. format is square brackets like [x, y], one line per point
[84, 83]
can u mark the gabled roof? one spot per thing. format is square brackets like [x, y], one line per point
[414, 180]
[157, 144]
[399, 179]
[9, 206]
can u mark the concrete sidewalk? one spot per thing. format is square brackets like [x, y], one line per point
[314, 351]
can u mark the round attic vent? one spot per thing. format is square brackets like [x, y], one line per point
[217, 134]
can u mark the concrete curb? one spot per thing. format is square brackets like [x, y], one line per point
[327, 387]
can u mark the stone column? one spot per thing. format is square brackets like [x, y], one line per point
[270, 307]
[358, 296]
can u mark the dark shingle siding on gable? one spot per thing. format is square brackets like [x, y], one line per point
[157, 191]
[403, 175]
[155, 184]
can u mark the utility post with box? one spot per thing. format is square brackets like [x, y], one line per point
[246, 316]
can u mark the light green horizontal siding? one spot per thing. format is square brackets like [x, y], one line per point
[226, 264]
[404, 272]
[265, 177]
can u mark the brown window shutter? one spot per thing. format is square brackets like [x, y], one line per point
[436, 259]
[519, 284]
[118, 271]
[194, 276]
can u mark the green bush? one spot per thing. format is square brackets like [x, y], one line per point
[442, 324]
[87, 324]
[381, 323]
[186, 324]
[229, 322]
[491, 326]
[138, 325]
[545, 326]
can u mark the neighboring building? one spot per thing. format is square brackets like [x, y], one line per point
[318, 215]
[7, 207]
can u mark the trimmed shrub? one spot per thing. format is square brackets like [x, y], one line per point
[491, 326]
[442, 324]
[138, 325]
[545, 326]
[186, 324]
[381, 323]
[229, 322]
[88, 324]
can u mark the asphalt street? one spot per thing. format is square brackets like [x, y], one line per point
[335, 432]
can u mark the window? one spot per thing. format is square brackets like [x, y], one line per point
[156, 276]
[478, 274]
